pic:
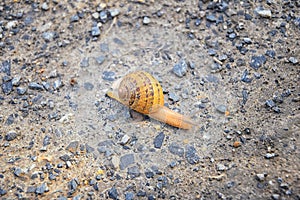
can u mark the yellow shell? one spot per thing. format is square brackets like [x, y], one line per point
[141, 92]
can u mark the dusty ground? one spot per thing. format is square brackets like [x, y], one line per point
[61, 137]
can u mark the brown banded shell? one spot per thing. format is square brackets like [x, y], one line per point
[140, 91]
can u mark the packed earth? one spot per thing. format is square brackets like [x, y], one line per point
[232, 66]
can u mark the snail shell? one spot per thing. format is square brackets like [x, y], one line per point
[141, 92]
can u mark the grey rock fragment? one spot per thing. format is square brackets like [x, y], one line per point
[100, 59]
[7, 86]
[133, 172]
[173, 97]
[84, 62]
[293, 60]
[57, 84]
[95, 31]
[49, 36]
[21, 90]
[45, 6]
[108, 75]
[114, 12]
[42, 189]
[191, 155]
[257, 61]
[180, 68]
[263, 12]
[6, 67]
[221, 167]
[11, 135]
[35, 86]
[260, 177]
[113, 193]
[126, 160]
[176, 149]
[158, 140]
[221, 108]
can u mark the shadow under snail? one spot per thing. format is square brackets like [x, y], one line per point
[141, 92]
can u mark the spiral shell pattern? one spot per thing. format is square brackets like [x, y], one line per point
[141, 92]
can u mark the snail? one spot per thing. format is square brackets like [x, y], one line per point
[141, 92]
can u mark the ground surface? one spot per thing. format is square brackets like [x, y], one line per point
[61, 137]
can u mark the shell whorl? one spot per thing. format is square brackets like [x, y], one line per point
[140, 91]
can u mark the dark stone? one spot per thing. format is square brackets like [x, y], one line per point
[21, 90]
[211, 18]
[113, 193]
[74, 18]
[10, 136]
[257, 61]
[46, 140]
[180, 68]
[42, 189]
[176, 149]
[149, 173]
[212, 52]
[133, 172]
[191, 155]
[7, 87]
[73, 184]
[129, 196]
[271, 53]
[126, 160]
[108, 75]
[95, 31]
[100, 59]
[6, 67]
[35, 86]
[245, 96]
[18, 171]
[270, 103]
[158, 140]
[2, 192]
[245, 77]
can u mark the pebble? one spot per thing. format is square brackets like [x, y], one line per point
[221, 167]
[146, 20]
[16, 81]
[260, 177]
[103, 16]
[95, 15]
[180, 68]
[175, 149]
[10, 136]
[45, 6]
[245, 77]
[221, 108]
[113, 193]
[100, 59]
[74, 18]
[191, 155]
[257, 61]
[42, 189]
[88, 86]
[49, 36]
[57, 84]
[236, 144]
[95, 31]
[84, 62]
[108, 75]
[270, 155]
[133, 172]
[158, 140]
[275, 196]
[271, 53]
[245, 96]
[293, 60]
[212, 52]
[7, 86]
[126, 160]
[125, 139]
[263, 12]
[72, 147]
[129, 196]
[270, 103]
[6, 67]
[18, 171]
[173, 97]
[114, 12]
[35, 86]
[211, 18]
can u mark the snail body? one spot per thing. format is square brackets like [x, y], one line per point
[141, 92]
